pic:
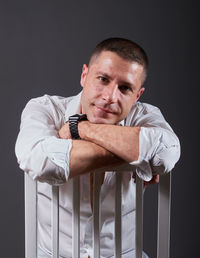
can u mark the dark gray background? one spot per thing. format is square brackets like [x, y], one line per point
[43, 45]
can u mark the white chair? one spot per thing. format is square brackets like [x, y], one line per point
[163, 237]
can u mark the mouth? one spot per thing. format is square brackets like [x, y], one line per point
[104, 110]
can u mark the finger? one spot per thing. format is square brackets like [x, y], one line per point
[154, 180]
[157, 179]
[134, 177]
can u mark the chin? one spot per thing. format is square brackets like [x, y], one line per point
[99, 120]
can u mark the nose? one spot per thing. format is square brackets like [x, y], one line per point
[110, 93]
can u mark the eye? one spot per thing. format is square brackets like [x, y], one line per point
[124, 88]
[103, 79]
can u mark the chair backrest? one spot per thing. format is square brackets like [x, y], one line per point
[163, 236]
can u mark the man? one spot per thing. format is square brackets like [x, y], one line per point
[110, 127]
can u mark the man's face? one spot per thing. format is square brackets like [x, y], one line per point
[111, 86]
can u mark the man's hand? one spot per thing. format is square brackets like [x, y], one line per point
[154, 180]
[64, 132]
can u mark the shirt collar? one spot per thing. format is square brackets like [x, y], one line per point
[74, 107]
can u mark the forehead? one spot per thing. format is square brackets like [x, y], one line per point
[111, 63]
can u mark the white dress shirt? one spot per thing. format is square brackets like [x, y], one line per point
[42, 154]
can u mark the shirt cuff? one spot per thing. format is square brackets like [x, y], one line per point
[148, 141]
[58, 151]
[159, 150]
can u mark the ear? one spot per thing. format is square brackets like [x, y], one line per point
[140, 92]
[83, 75]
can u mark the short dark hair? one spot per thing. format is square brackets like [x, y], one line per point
[126, 49]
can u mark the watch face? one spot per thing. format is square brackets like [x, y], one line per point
[78, 117]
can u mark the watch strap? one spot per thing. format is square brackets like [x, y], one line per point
[73, 124]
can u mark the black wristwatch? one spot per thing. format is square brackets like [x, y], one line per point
[73, 124]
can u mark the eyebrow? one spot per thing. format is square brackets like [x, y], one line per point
[121, 82]
[104, 74]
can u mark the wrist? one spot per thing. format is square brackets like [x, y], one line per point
[83, 128]
[74, 120]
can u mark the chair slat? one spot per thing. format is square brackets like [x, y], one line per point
[30, 217]
[55, 221]
[164, 207]
[76, 218]
[139, 217]
[118, 215]
[96, 215]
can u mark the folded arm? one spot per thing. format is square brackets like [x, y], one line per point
[87, 156]
[46, 156]
[147, 142]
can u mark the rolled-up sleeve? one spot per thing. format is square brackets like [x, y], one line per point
[159, 147]
[40, 152]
